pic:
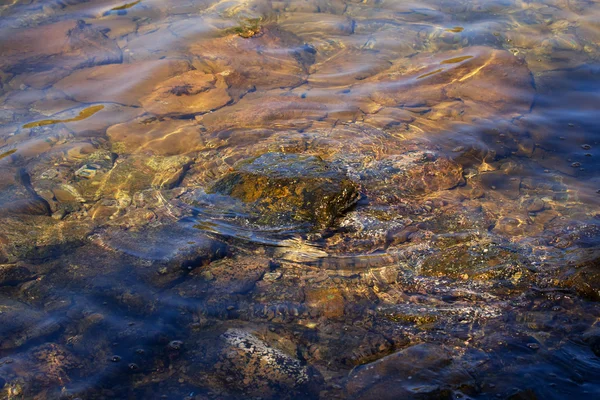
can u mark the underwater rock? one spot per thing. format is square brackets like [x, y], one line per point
[22, 323]
[48, 365]
[414, 172]
[423, 371]
[326, 301]
[39, 237]
[138, 172]
[290, 188]
[192, 92]
[495, 79]
[270, 60]
[163, 253]
[584, 279]
[66, 44]
[160, 137]
[125, 84]
[261, 370]
[231, 276]
[273, 109]
[17, 196]
[11, 274]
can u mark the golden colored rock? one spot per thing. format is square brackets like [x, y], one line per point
[192, 92]
[328, 301]
[290, 188]
[163, 138]
[125, 84]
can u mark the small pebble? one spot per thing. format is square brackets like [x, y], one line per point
[115, 358]
[533, 346]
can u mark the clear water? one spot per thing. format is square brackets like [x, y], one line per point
[146, 252]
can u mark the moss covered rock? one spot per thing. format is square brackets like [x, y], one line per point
[285, 188]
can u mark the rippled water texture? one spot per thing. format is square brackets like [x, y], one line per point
[351, 199]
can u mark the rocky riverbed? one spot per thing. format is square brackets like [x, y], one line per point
[261, 199]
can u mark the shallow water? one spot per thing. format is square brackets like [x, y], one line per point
[299, 199]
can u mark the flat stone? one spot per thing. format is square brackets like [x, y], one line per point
[273, 59]
[159, 137]
[419, 371]
[68, 44]
[192, 92]
[414, 172]
[479, 76]
[273, 109]
[125, 84]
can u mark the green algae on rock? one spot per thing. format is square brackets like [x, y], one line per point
[291, 187]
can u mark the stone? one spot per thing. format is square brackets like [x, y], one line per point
[125, 84]
[169, 137]
[290, 188]
[22, 323]
[167, 252]
[410, 173]
[35, 237]
[584, 279]
[273, 109]
[68, 44]
[135, 173]
[261, 370]
[494, 79]
[193, 92]
[328, 301]
[271, 60]
[48, 365]
[420, 371]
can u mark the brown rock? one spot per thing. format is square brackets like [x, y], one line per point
[290, 188]
[120, 83]
[192, 92]
[262, 370]
[163, 138]
[266, 110]
[421, 371]
[270, 60]
[493, 78]
[412, 173]
[328, 301]
[66, 44]
[584, 279]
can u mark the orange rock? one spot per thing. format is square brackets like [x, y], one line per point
[165, 138]
[120, 83]
[329, 301]
[192, 92]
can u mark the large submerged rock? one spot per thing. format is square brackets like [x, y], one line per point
[417, 372]
[261, 370]
[291, 188]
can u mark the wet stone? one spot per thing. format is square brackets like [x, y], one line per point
[420, 371]
[411, 173]
[190, 93]
[68, 44]
[584, 279]
[258, 368]
[287, 188]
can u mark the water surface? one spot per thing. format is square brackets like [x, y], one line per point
[231, 199]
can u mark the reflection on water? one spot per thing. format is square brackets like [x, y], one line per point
[299, 199]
